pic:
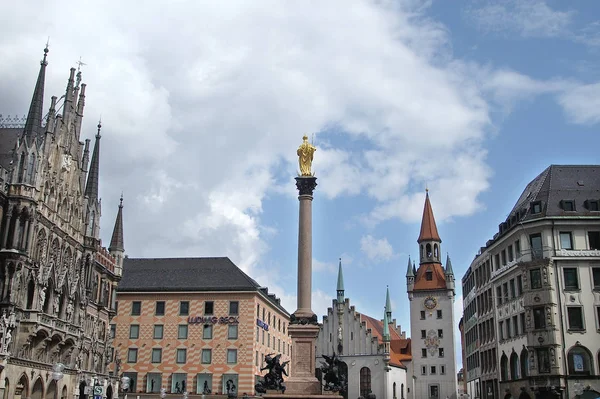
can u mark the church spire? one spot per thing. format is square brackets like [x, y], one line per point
[116, 242]
[388, 304]
[340, 284]
[449, 270]
[409, 269]
[91, 188]
[429, 230]
[36, 109]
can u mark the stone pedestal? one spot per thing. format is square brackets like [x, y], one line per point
[302, 371]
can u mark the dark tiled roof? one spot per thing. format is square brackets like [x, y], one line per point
[188, 274]
[578, 183]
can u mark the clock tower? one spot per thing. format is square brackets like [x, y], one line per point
[431, 294]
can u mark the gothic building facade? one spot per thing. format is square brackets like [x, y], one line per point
[431, 293]
[57, 282]
[375, 353]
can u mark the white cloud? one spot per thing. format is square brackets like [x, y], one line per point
[376, 249]
[582, 104]
[203, 108]
[532, 18]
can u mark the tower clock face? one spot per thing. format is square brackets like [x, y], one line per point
[430, 302]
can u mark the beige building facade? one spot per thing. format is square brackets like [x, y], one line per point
[198, 325]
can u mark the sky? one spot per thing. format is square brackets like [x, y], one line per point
[203, 105]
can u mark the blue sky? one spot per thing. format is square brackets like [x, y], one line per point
[203, 107]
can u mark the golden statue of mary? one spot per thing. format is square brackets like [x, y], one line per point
[305, 156]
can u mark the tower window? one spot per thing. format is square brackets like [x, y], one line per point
[428, 250]
[429, 275]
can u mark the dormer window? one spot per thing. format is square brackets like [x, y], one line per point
[536, 207]
[592, 205]
[429, 275]
[568, 205]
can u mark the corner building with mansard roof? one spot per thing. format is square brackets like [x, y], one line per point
[57, 282]
[431, 293]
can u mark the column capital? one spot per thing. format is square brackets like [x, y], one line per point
[306, 184]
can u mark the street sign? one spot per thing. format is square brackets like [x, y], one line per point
[98, 390]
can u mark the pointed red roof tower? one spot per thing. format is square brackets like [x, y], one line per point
[430, 274]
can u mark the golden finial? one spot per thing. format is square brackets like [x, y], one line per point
[305, 156]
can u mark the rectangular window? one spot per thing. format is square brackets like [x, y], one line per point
[234, 308]
[522, 316]
[207, 331]
[206, 356]
[181, 356]
[422, 315]
[182, 331]
[429, 275]
[441, 352]
[256, 359]
[536, 278]
[594, 239]
[208, 308]
[510, 253]
[593, 205]
[566, 240]
[134, 331]
[499, 295]
[575, 316]
[439, 314]
[136, 308]
[156, 355]
[598, 316]
[497, 261]
[501, 329]
[535, 241]
[536, 207]
[160, 308]
[423, 352]
[132, 355]
[184, 308]
[232, 331]
[158, 331]
[231, 356]
[442, 369]
[263, 337]
[423, 334]
[505, 291]
[519, 285]
[515, 323]
[513, 293]
[424, 370]
[517, 249]
[434, 391]
[596, 277]
[433, 370]
[539, 318]
[503, 257]
[508, 329]
[571, 278]
[568, 206]
[257, 334]
[113, 331]
[440, 333]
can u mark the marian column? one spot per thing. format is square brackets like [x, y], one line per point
[304, 328]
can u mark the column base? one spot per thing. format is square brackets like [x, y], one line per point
[302, 379]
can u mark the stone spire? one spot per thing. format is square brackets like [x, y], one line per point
[116, 242]
[449, 270]
[429, 230]
[91, 188]
[409, 269]
[386, 326]
[36, 110]
[340, 284]
[388, 304]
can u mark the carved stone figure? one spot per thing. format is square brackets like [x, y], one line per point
[16, 286]
[305, 156]
[56, 305]
[335, 381]
[70, 309]
[42, 296]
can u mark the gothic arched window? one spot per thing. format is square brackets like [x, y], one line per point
[514, 366]
[30, 294]
[30, 168]
[504, 368]
[365, 381]
[436, 251]
[524, 364]
[580, 361]
[21, 168]
[428, 250]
